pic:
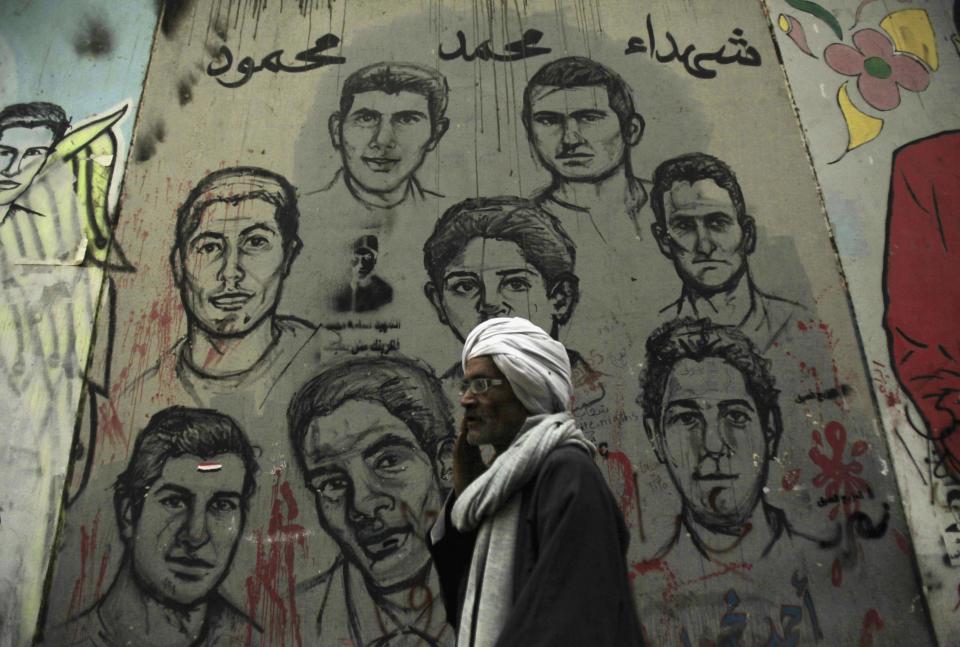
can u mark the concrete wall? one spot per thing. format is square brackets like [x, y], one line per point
[802, 536]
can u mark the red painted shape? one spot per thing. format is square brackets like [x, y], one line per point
[838, 477]
[871, 621]
[836, 573]
[790, 479]
[272, 588]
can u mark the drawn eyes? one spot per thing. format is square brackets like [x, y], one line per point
[174, 502]
[332, 487]
[366, 119]
[687, 419]
[257, 243]
[390, 463]
[407, 120]
[547, 120]
[34, 152]
[223, 505]
[718, 223]
[589, 118]
[463, 287]
[515, 284]
[736, 417]
[209, 247]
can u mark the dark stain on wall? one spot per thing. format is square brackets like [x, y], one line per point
[94, 38]
[146, 146]
[185, 89]
[172, 12]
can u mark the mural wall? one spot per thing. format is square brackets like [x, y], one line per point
[876, 90]
[69, 88]
[323, 198]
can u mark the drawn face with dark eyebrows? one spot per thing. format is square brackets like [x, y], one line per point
[232, 267]
[711, 438]
[22, 154]
[384, 138]
[376, 491]
[491, 278]
[185, 537]
[575, 133]
[703, 237]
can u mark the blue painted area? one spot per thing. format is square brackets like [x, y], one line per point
[39, 61]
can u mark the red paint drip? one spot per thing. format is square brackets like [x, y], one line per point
[871, 621]
[836, 573]
[271, 603]
[790, 479]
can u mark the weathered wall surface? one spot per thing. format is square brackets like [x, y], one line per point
[755, 477]
[884, 147]
[80, 67]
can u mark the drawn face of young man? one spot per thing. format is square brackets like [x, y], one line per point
[495, 416]
[376, 491]
[711, 438]
[184, 539]
[232, 267]
[490, 278]
[703, 237]
[384, 138]
[576, 134]
[23, 152]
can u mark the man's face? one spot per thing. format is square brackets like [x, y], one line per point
[232, 267]
[364, 260]
[22, 154]
[575, 133]
[712, 441]
[185, 537]
[703, 237]
[384, 138]
[490, 278]
[376, 491]
[494, 417]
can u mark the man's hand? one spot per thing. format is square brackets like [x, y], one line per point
[467, 462]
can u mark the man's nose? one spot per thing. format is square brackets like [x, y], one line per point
[13, 165]
[231, 271]
[712, 439]
[384, 135]
[194, 532]
[571, 132]
[368, 499]
[705, 243]
[467, 399]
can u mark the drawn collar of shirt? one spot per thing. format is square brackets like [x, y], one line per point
[634, 198]
[413, 190]
[690, 305]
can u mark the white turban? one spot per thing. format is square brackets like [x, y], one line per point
[535, 365]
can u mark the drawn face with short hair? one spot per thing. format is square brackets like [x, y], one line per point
[384, 138]
[490, 278]
[183, 542]
[232, 267]
[711, 438]
[376, 491]
[703, 237]
[23, 152]
[575, 133]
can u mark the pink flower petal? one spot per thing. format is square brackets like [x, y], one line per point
[843, 59]
[882, 94]
[873, 43]
[909, 73]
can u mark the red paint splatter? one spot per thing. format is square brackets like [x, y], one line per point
[802, 327]
[620, 478]
[901, 542]
[89, 577]
[837, 477]
[271, 603]
[871, 621]
[836, 573]
[790, 479]
[958, 600]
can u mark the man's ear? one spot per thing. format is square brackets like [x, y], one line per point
[563, 298]
[290, 256]
[443, 462]
[334, 124]
[433, 294]
[438, 131]
[663, 239]
[650, 426]
[125, 519]
[635, 129]
[749, 227]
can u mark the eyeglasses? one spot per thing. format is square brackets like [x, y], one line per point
[479, 385]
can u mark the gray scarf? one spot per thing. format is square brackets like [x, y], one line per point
[492, 504]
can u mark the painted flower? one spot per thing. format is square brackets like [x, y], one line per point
[879, 70]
